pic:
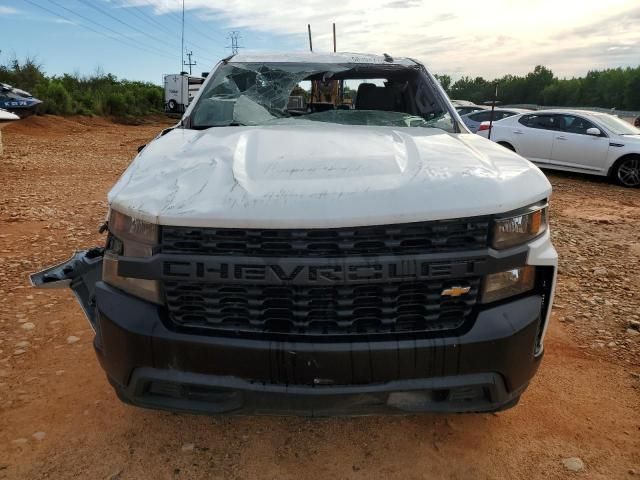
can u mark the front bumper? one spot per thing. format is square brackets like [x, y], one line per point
[150, 365]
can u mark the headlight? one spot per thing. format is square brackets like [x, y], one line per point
[138, 237]
[518, 229]
[498, 286]
[130, 237]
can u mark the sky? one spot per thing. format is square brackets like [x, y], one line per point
[140, 39]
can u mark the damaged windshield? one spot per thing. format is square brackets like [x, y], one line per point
[348, 94]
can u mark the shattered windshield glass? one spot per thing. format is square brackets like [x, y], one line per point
[348, 94]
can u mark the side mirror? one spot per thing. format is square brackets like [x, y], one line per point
[593, 131]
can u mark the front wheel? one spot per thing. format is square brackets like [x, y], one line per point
[626, 171]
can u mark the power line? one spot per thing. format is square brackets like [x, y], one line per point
[202, 34]
[95, 7]
[138, 44]
[140, 14]
[189, 27]
[117, 39]
[192, 27]
[126, 24]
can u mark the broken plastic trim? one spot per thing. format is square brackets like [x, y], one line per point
[80, 273]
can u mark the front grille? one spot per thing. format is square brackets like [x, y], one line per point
[401, 239]
[305, 311]
[366, 309]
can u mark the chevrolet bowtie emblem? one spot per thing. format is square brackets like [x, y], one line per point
[455, 291]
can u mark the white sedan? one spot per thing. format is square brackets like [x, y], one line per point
[574, 140]
[475, 120]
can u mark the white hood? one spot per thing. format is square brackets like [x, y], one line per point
[326, 175]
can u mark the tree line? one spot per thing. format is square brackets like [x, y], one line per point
[98, 94]
[611, 88]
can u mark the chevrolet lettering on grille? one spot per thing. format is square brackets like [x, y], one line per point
[289, 272]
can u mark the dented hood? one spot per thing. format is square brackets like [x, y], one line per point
[323, 175]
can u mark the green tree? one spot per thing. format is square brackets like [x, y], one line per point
[55, 96]
[98, 94]
[445, 81]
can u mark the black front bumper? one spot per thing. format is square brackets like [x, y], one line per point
[150, 365]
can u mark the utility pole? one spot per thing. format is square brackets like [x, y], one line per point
[493, 104]
[182, 41]
[190, 63]
[310, 44]
[334, 38]
[234, 37]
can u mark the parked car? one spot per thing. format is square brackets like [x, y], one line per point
[474, 120]
[5, 119]
[371, 259]
[574, 140]
[463, 107]
[17, 101]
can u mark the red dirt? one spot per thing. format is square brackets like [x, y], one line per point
[583, 403]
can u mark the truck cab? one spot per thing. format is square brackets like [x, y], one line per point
[356, 256]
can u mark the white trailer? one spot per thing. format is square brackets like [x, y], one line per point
[179, 90]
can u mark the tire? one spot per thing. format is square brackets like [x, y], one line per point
[508, 146]
[626, 171]
[173, 105]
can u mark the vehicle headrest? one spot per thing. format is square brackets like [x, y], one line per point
[372, 97]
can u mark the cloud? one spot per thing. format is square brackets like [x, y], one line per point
[614, 24]
[403, 4]
[62, 21]
[4, 10]
[488, 38]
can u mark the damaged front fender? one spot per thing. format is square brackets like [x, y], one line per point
[80, 273]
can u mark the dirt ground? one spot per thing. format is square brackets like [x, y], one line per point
[60, 419]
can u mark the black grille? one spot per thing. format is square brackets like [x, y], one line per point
[400, 239]
[377, 308]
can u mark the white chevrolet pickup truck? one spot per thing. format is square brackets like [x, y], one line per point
[320, 235]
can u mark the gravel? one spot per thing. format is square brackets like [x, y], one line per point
[55, 199]
[598, 243]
